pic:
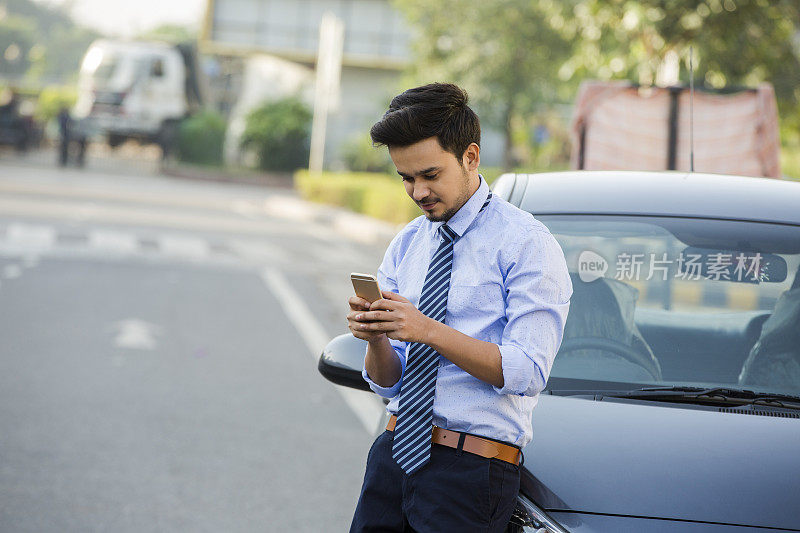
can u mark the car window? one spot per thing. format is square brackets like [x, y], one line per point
[678, 301]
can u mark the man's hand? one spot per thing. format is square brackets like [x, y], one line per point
[358, 306]
[396, 317]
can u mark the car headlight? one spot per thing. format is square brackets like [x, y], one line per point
[530, 518]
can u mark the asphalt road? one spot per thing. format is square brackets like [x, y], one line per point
[158, 363]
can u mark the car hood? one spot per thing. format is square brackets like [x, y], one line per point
[651, 460]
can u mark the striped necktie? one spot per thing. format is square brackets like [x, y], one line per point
[411, 445]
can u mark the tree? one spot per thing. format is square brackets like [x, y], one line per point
[515, 55]
[50, 44]
[17, 37]
[505, 53]
[61, 54]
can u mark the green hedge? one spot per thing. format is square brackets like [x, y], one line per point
[377, 195]
[201, 138]
[374, 194]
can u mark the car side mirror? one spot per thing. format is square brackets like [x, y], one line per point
[342, 360]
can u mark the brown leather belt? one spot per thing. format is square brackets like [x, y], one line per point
[472, 443]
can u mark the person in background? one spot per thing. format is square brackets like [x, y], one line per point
[64, 127]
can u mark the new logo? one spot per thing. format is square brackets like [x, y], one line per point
[591, 266]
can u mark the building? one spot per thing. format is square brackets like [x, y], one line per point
[275, 43]
[269, 48]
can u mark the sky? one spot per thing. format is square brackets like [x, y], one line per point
[129, 17]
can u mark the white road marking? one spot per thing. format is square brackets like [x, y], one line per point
[31, 241]
[30, 237]
[136, 334]
[184, 246]
[365, 406]
[116, 241]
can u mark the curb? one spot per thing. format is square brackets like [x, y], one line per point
[277, 180]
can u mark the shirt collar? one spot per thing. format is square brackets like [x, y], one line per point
[464, 216]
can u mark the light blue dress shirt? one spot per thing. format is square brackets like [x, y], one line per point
[510, 286]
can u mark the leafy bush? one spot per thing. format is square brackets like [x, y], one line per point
[201, 137]
[279, 132]
[377, 195]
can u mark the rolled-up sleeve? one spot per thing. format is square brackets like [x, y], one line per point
[388, 282]
[394, 390]
[538, 289]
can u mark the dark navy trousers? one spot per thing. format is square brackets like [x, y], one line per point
[455, 491]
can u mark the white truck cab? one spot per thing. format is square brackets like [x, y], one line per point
[134, 89]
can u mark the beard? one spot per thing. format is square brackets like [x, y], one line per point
[462, 199]
[444, 217]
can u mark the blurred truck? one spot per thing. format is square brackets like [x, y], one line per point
[137, 90]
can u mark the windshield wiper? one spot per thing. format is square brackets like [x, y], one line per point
[722, 395]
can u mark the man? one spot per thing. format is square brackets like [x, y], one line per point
[475, 297]
[64, 127]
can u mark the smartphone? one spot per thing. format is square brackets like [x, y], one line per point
[366, 286]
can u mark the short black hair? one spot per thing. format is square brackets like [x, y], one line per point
[435, 110]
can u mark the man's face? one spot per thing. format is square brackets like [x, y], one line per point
[433, 177]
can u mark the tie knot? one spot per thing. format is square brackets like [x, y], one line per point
[447, 233]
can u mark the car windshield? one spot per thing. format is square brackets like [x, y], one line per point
[678, 301]
[107, 68]
[119, 70]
